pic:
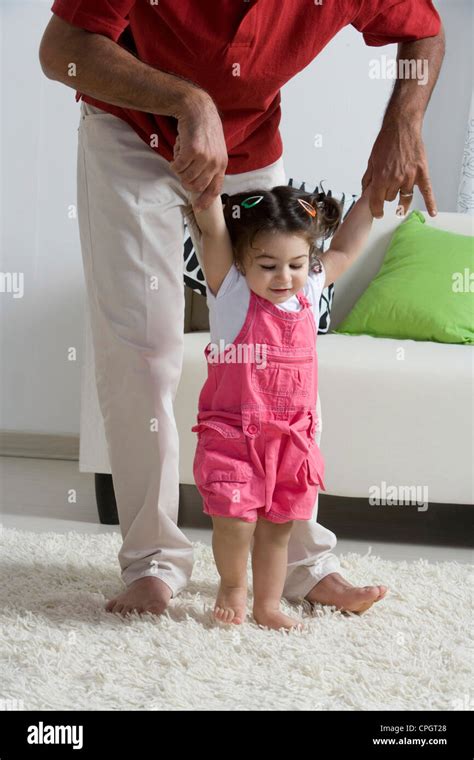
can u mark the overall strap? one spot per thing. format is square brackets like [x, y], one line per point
[303, 300]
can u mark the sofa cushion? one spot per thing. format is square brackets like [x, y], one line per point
[423, 289]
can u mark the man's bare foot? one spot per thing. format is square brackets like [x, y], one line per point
[148, 594]
[271, 618]
[334, 590]
[231, 604]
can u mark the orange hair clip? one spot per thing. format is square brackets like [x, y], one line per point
[307, 206]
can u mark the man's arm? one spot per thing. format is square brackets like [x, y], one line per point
[398, 161]
[410, 99]
[107, 72]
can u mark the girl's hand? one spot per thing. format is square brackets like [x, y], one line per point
[210, 220]
[366, 192]
[364, 201]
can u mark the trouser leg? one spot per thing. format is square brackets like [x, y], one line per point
[131, 229]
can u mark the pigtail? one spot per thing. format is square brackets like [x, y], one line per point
[329, 214]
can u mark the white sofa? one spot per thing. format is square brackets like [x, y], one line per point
[384, 420]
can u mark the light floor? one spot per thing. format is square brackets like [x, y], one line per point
[52, 495]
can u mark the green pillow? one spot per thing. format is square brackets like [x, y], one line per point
[423, 291]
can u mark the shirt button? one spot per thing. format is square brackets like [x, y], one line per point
[252, 429]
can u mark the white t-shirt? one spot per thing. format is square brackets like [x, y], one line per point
[228, 309]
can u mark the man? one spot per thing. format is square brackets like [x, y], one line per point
[180, 98]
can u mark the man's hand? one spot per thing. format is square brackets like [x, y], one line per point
[398, 163]
[200, 152]
[398, 160]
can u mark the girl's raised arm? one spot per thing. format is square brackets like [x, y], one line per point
[217, 255]
[349, 240]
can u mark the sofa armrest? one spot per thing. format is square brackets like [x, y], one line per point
[188, 302]
[196, 313]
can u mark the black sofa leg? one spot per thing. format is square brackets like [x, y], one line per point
[105, 498]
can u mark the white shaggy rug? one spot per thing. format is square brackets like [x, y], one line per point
[60, 650]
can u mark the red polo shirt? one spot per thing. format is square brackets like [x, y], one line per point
[241, 52]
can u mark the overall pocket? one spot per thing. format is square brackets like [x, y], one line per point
[222, 428]
[315, 467]
[284, 376]
[221, 454]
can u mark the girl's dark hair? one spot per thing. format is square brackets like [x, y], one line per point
[280, 211]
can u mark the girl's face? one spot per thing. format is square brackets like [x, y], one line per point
[276, 267]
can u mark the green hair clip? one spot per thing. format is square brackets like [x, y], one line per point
[255, 198]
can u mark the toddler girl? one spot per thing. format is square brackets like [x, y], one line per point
[257, 464]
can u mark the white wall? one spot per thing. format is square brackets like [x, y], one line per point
[40, 387]
[334, 96]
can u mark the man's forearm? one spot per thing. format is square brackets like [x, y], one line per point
[418, 67]
[96, 66]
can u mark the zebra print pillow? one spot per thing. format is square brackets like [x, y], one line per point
[194, 277]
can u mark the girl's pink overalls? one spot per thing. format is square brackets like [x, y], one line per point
[256, 454]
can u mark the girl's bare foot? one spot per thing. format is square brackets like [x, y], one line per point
[231, 604]
[146, 594]
[271, 618]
